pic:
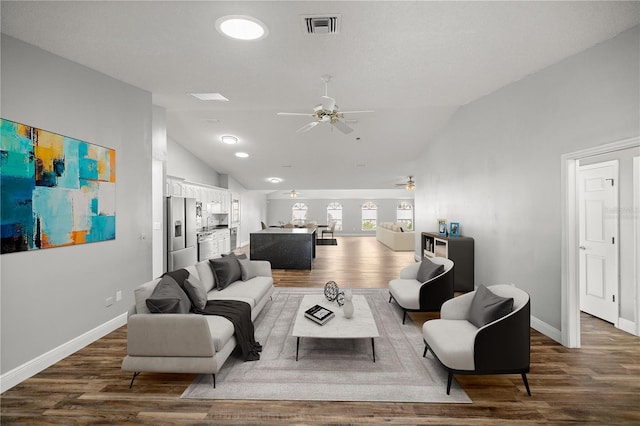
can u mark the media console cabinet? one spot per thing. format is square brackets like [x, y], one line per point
[459, 250]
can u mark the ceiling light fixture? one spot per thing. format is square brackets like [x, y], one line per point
[242, 154]
[229, 140]
[294, 194]
[274, 180]
[241, 27]
[209, 96]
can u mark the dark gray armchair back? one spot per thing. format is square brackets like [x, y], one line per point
[436, 291]
[505, 345]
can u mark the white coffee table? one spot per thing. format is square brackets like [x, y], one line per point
[361, 326]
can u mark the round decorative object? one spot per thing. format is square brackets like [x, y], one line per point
[340, 298]
[331, 291]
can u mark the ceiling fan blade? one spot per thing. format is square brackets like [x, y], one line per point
[342, 127]
[306, 114]
[355, 112]
[307, 127]
[328, 103]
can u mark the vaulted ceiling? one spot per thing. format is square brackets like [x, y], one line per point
[413, 63]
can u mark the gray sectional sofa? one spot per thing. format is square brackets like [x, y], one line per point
[189, 342]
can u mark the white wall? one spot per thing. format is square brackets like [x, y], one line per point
[503, 183]
[183, 164]
[52, 296]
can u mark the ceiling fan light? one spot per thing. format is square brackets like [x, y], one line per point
[229, 140]
[293, 194]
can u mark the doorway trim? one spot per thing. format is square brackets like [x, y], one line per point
[570, 288]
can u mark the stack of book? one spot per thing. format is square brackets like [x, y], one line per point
[319, 314]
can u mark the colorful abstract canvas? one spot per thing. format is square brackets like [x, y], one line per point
[55, 191]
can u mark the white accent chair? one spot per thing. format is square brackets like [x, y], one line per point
[428, 296]
[499, 347]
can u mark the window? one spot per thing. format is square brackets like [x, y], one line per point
[404, 215]
[369, 216]
[299, 213]
[334, 214]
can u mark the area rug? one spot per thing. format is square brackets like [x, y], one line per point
[326, 242]
[328, 369]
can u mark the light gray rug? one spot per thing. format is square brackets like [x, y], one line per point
[332, 370]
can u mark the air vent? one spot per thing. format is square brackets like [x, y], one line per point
[321, 24]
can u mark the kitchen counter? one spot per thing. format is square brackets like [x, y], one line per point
[285, 248]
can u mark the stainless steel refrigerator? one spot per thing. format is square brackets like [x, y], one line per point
[182, 238]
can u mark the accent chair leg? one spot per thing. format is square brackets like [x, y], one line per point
[449, 382]
[135, 374]
[390, 297]
[426, 348]
[526, 383]
[404, 315]
[214, 381]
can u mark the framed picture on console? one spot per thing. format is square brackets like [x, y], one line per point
[442, 227]
[454, 229]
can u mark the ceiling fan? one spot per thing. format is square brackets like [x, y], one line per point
[326, 112]
[293, 193]
[410, 184]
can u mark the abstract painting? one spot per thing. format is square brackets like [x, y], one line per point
[55, 190]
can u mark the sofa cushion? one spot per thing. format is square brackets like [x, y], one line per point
[205, 274]
[246, 269]
[487, 307]
[226, 270]
[168, 298]
[452, 341]
[195, 290]
[221, 330]
[428, 270]
[251, 291]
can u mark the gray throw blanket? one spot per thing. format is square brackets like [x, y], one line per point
[239, 313]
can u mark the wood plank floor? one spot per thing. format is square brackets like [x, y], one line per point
[597, 384]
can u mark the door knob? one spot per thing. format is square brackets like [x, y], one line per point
[582, 248]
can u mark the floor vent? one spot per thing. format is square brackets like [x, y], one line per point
[321, 24]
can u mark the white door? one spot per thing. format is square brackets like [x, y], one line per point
[598, 254]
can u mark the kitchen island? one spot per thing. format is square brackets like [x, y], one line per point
[285, 248]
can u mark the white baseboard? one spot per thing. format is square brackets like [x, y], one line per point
[36, 365]
[546, 329]
[628, 326]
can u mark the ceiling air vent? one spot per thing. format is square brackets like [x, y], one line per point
[321, 24]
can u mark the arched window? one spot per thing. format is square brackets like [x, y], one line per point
[299, 213]
[369, 216]
[334, 214]
[404, 215]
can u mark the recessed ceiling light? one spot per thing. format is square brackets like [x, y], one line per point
[229, 140]
[209, 96]
[242, 154]
[241, 27]
[274, 180]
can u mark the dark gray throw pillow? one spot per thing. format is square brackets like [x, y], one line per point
[428, 270]
[195, 291]
[226, 270]
[168, 298]
[487, 307]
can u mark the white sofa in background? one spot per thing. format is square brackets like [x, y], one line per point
[191, 343]
[394, 236]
